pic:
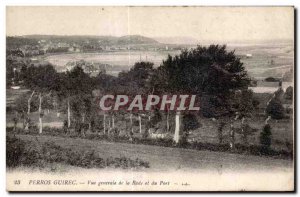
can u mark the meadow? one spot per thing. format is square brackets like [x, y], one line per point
[138, 156]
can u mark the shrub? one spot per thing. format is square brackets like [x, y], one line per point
[255, 103]
[157, 117]
[208, 106]
[289, 93]
[19, 153]
[164, 142]
[275, 109]
[271, 79]
[190, 122]
[14, 151]
[35, 156]
[289, 110]
[265, 137]
[220, 132]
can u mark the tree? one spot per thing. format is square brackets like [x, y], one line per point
[242, 103]
[138, 77]
[220, 131]
[271, 79]
[75, 84]
[245, 106]
[41, 79]
[289, 93]
[24, 108]
[265, 137]
[246, 130]
[255, 103]
[189, 122]
[204, 71]
[210, 70]
[137, 81]
[81, 107]
[275, 109]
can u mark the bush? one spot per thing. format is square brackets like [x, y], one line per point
[220, 132]
[14, 151]
[265, 137]
[255, 103]
[208, 106]
[271, 79]
[19, 153]
[164, 142]
[275, 109]
[289, 93]
[35, 156]
[190, 122]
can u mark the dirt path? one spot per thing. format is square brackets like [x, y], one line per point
[170, 159]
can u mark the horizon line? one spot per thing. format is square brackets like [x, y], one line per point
[116, 36]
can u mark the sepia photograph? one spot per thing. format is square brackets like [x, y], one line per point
[150, 98]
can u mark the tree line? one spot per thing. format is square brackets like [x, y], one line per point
[214, 74]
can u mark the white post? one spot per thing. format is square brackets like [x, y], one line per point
[177, 127]
[69, 114]
[28, 111]
[131, 122]
[140, 122]
[168, 124]
[104, 123]
[109, 126]
[267, 120]
[149, 124]
[40, 114]
[113, 121]
[29, 101]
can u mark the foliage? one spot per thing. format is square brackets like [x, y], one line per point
[168, 142]
[275, 109]
[41, 78]
[289, 93]
[247, 131]
[190, 122]
[255, 103]
[210, 70]
[14, 151]
[265, 137]
[220, 132]
[137, 80]
[271, 79]
[242, 102]
[18, 154]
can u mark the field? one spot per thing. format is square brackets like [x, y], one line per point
[267, 59]
[164, 158]
[120, 60]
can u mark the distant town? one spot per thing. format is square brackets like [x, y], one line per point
[30, 46]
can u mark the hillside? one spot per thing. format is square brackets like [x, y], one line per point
[177, 40]
[135, 39]
[103, 40]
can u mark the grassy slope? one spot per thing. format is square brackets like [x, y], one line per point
[168, 159]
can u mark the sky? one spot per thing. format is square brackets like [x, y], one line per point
[201, 23]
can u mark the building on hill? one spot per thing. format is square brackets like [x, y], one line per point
[263, 86]
[268, 84]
